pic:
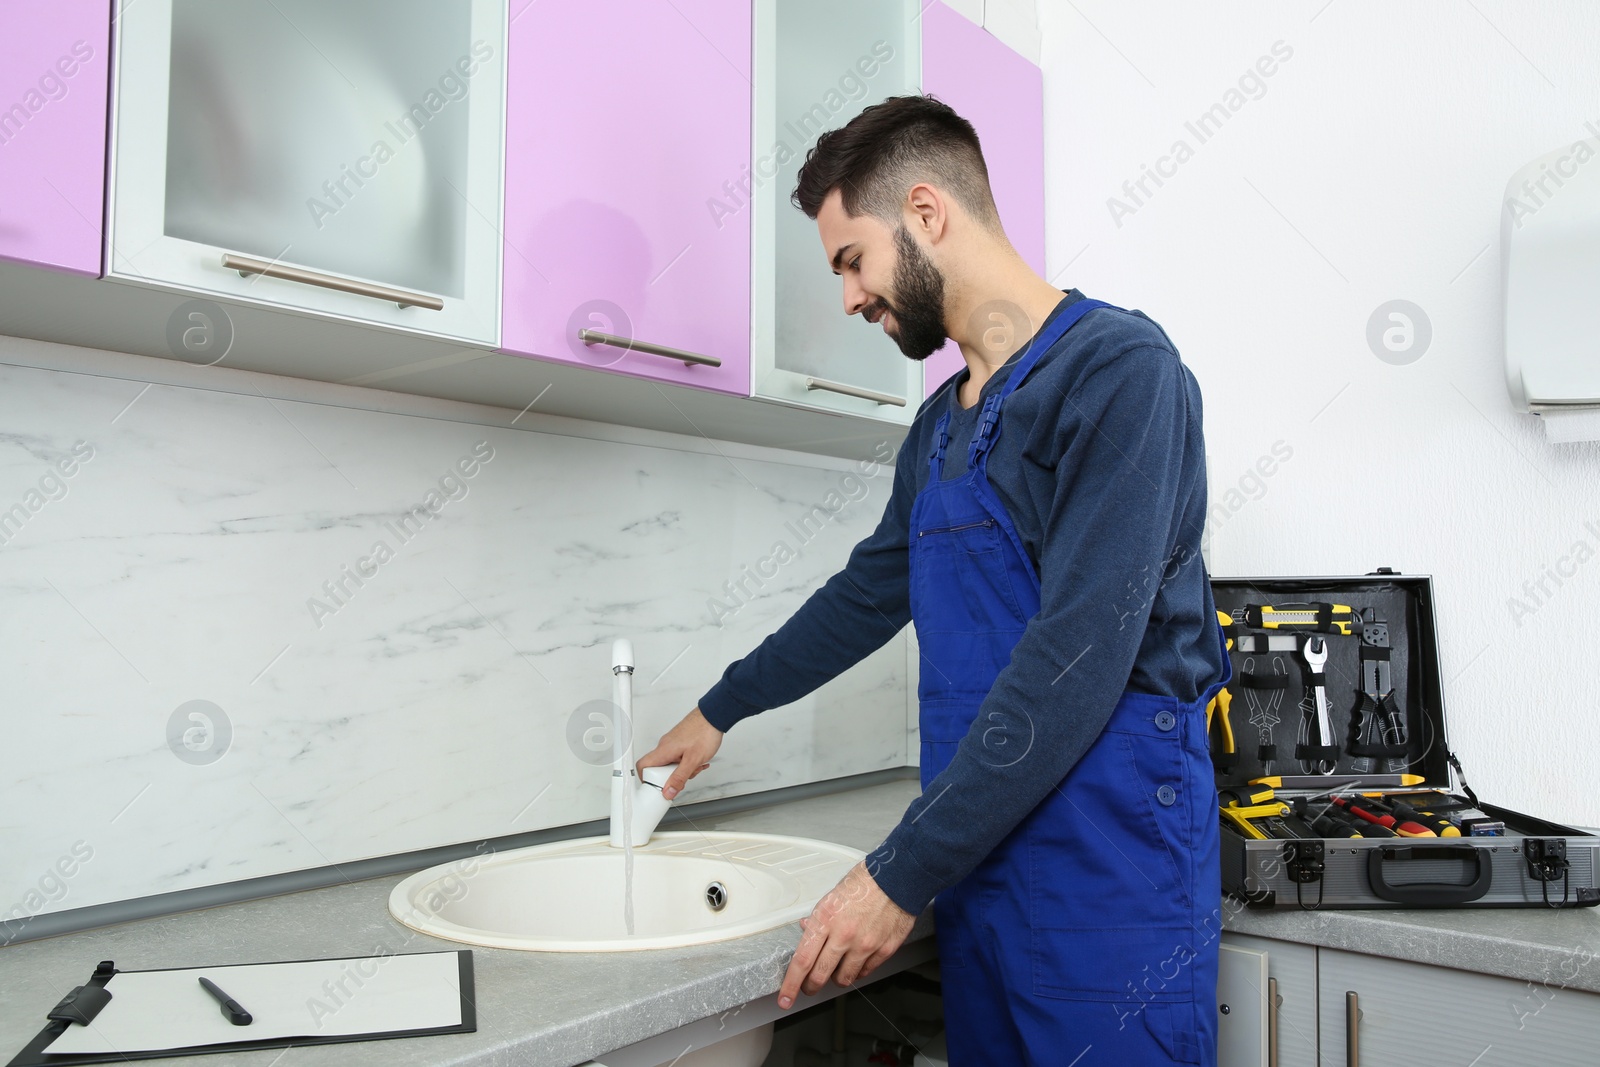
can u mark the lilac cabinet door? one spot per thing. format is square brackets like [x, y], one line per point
[54, 86]
[1002, 95]
[627, 185]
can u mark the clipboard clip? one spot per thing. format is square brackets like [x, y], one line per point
[86, 1001]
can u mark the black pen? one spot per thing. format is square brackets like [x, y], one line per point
[232, 1010]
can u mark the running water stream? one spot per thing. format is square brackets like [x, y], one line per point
[622, 750]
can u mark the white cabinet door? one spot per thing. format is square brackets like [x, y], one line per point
[355, 146]
[818, 64]
[1243, 1007]
[1380, 1011]
[1286, 998]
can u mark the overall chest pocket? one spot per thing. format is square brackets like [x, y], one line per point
[960, 579]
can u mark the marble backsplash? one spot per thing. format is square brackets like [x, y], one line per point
[247, 635]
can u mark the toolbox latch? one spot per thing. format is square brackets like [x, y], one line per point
[1304, 861]
[1547, 861]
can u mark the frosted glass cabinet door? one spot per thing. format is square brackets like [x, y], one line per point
[1002, 94]
[55, 60]
[819, 63]
[356, 144]
[627, 135]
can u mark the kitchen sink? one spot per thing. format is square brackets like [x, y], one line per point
[570, 896]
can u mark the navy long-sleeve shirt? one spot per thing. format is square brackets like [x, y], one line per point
[1100, 463]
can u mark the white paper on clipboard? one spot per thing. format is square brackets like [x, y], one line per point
[152, 1010]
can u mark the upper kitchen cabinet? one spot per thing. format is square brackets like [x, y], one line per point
[55, 60]
[819, 63]
[334, 159]
[627, 238]
[1002, 94]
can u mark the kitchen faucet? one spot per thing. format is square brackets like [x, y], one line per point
[635, 804]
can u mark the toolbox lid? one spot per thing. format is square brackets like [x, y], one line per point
[1381, 680]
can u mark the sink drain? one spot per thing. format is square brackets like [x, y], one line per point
[716, 896]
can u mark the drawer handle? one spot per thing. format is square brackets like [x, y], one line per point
[690, 359]
[1352, 1030]
[1429, 894]
[856, 391]
[1274, 1002]
[248, 265]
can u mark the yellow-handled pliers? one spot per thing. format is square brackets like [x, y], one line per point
[1223, 702]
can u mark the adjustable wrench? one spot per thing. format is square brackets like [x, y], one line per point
[1315, 652]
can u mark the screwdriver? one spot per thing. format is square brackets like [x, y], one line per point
[1442, 827]
[1328, 824]
[1401, 829]
[1372, 829]
[1355, 827]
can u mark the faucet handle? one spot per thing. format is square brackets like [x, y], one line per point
[657, 776]
[621, 655]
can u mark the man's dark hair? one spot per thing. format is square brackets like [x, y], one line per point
[875, 159]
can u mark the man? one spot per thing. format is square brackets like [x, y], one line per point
[1043, 534]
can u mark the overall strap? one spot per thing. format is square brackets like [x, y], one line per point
[983, 436]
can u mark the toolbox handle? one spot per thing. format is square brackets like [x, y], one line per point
[1429, 894]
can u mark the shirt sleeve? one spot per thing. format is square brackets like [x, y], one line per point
[853, 614]
[1131, 453]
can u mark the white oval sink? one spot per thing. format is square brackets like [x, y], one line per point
[688, 889]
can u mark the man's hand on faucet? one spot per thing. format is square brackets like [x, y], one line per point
[690, 745]
[848, 935]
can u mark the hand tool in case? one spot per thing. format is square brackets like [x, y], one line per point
[1223, 702]
[1381, 815]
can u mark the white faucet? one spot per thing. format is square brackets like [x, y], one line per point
[637, 805]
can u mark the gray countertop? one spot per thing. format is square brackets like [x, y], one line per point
[566, 1008]
[534, 1008]
[1561, 948]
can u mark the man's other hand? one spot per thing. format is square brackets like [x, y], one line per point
[848, 935]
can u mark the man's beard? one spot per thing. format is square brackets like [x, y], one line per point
[919, 300]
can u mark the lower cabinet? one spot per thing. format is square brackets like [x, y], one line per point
[1267, 997]
[1284, 1004]
[1379, 1011]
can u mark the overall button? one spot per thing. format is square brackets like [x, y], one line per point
[1167, 795]
[1165, 720]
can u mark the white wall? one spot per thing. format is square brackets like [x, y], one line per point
[179, 554]
[1371, 168]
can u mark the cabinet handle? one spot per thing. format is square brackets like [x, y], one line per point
[248, 265]
[1352, 1030]
[1273, 1003]
[856, 390]
[594, 337]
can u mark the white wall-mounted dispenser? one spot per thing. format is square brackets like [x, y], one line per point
[1550, 270]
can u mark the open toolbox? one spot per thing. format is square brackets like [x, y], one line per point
[1333, 767]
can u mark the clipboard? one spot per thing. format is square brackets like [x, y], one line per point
[166, 1012]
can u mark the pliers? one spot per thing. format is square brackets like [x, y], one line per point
[1375, 704]
[1223, 702]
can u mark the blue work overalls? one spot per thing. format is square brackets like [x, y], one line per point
[1090, 934]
